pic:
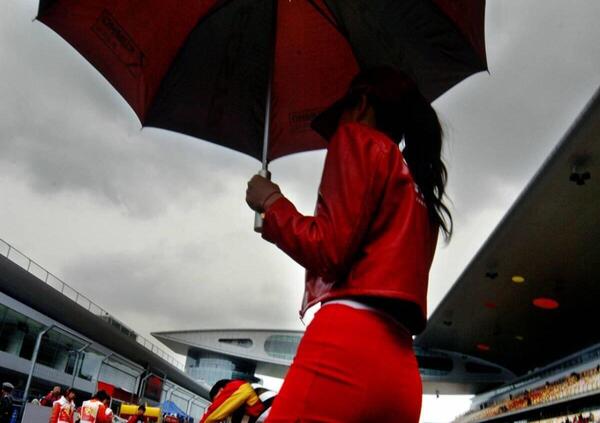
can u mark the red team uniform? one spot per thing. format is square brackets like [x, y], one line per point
[62, 411]
[94, 411]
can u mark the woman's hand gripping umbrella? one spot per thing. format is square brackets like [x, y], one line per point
[261, 193]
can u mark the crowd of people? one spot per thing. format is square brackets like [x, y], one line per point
[64, 410]
[233, 399]
[587, 417]
[574, 384]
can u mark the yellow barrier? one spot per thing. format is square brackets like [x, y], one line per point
[131, 409]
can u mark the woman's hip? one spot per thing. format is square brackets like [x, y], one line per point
[351, 366]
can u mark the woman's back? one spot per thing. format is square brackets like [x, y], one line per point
[371, 235]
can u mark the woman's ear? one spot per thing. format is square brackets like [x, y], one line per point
[364, 112]
[362, 108]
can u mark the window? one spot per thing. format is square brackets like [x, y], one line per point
[472, 367]
[238, 342]
[153, 388]
[282, 346]
[90, 365]
[434, 365]
[17, 333]
[211, 367]
[58, 351]
[115, 374]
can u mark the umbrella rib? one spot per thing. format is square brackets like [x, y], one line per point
[327, 17]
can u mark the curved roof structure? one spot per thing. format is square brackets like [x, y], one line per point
[529, 296]
[271, 350]
[270, 353]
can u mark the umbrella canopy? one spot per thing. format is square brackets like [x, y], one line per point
[202, 67]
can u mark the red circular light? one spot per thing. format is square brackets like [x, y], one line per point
[490, 304]
[483, 347]
[545, 303]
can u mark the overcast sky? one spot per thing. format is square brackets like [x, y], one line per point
[153, 226]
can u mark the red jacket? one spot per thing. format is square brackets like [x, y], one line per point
[371, 236]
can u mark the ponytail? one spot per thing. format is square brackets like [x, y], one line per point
[422, 151]
[414, 120]
[402, 113]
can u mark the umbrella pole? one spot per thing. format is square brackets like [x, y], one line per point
[264, 171]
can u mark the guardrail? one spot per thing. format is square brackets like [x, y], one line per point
[42, 274]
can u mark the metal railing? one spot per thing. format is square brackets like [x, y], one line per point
[42, 274]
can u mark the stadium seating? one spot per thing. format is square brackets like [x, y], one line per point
[577, 383]
[585, 417]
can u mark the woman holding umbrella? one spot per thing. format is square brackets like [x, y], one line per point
[367, 253]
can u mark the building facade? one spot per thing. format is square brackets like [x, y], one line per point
[52, 335]
[221, 354]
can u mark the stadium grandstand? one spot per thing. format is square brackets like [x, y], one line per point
[536, 393]
[534, 289]
[50, 334]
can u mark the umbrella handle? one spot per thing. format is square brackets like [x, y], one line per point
[258, 217]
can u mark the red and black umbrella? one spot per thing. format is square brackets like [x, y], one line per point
[251, 74]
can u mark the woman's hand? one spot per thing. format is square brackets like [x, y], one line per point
[261, 193]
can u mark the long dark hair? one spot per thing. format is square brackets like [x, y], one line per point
[413, 120]
[402, 113]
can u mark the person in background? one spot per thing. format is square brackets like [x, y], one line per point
[94, 410]
[139, 416]
[6, 402]
[267, 397]
[63, 409]
[77, 415]
[235, 398]
[109, 412]
[51, 397]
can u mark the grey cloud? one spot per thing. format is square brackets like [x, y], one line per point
[502, 125]
[71, 131]
[162, 291]
[141, 178]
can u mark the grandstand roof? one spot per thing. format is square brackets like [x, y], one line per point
[551, 238]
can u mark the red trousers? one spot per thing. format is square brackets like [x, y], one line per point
[351, 366]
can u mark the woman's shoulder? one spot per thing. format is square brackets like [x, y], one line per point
[365, 136]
